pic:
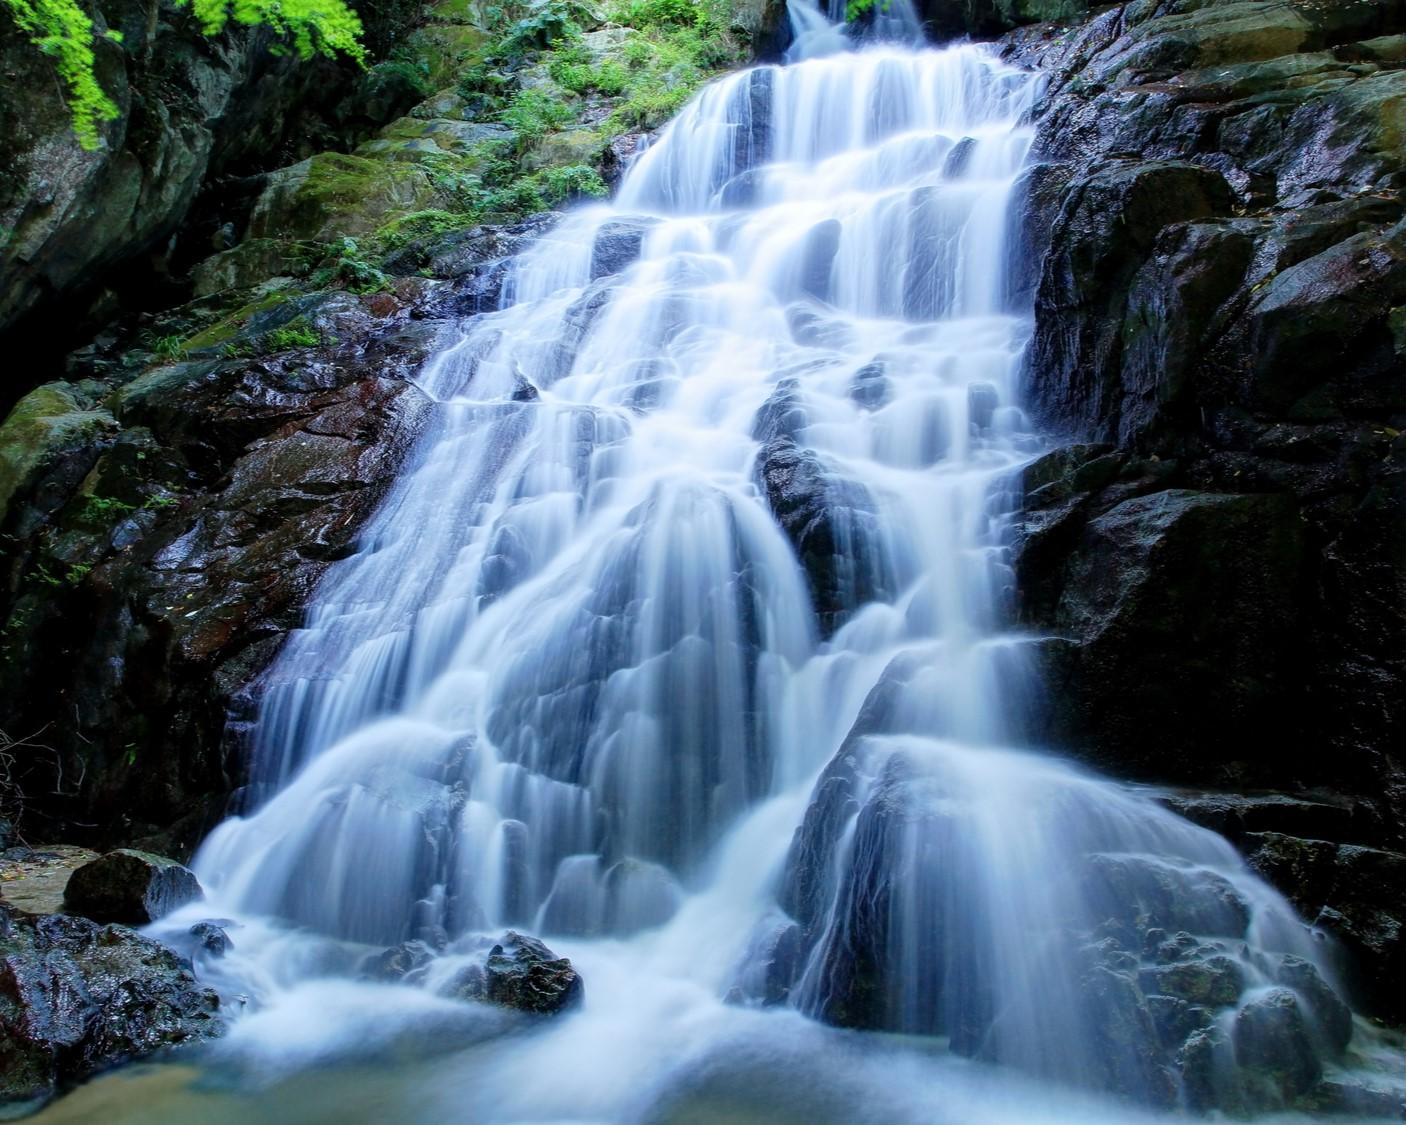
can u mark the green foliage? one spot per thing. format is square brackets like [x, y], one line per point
[297, 333]
[572, 69]
[856, 8]
[63, 31]
[545, 23]
[167, 347]
[573, 182]
[350, 268]
[316, 27]
[102, 509]
[532, 114]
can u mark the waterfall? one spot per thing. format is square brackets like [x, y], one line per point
[681, 642]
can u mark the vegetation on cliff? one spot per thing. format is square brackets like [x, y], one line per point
[65, 32]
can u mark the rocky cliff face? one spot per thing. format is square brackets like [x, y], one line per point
[192, 108]
[1218, 553]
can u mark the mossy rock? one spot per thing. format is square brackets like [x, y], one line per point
[445, 50]
[556, 150]
[332, 195]
[46, 423]
[252, 262]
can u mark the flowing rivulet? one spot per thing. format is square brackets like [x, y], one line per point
[681, 644]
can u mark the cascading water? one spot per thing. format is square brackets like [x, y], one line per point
[679, 644]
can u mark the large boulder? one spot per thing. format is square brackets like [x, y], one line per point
[131, 887]
[76, 997]
[1159, 596]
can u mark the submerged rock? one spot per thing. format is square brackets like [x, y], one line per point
[522, 973]
[76, 997]
[131, 887]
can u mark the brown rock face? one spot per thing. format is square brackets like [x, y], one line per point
[155, 570]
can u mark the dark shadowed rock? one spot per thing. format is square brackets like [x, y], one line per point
[522, 973]
[131, 887]
[76, 997]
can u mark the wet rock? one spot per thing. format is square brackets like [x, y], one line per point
[1272, 1041]
[522, 973]
[211, 939]
[1152, 608]
[1355, 894]
[1218, 212]
[397, 962]
[76, 997]
[131, 887]
[618, 245]
[184, 540]
[833, 525]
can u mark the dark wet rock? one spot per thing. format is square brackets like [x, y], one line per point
[211, 939]
[1328, 1015]
[77, 997]
[1273, 1043]
[1218, 211]
[183, 534]
[397, 962]
[831, 522]
[618, 245]
[130, 887]
[1158, 596]
[1356, 894]
[522, 973]
[1144, 891]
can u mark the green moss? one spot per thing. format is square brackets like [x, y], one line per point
[297, 333]
[225, 329]
[47, 421]
[422, 224]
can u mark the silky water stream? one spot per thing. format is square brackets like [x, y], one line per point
[680, 645]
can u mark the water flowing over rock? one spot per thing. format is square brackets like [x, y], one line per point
[679, 638]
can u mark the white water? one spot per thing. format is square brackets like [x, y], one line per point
[576, 680]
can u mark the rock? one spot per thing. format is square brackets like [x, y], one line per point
[522, 973]
[832, 523]
[1218, 210]
[1272, 1041]
[181, 540]
[211, 939]
[1355, 894]
[33, 879]
[193, 108]
[397, 962]
[131, 887]
[76, 997]
[1151, 609]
